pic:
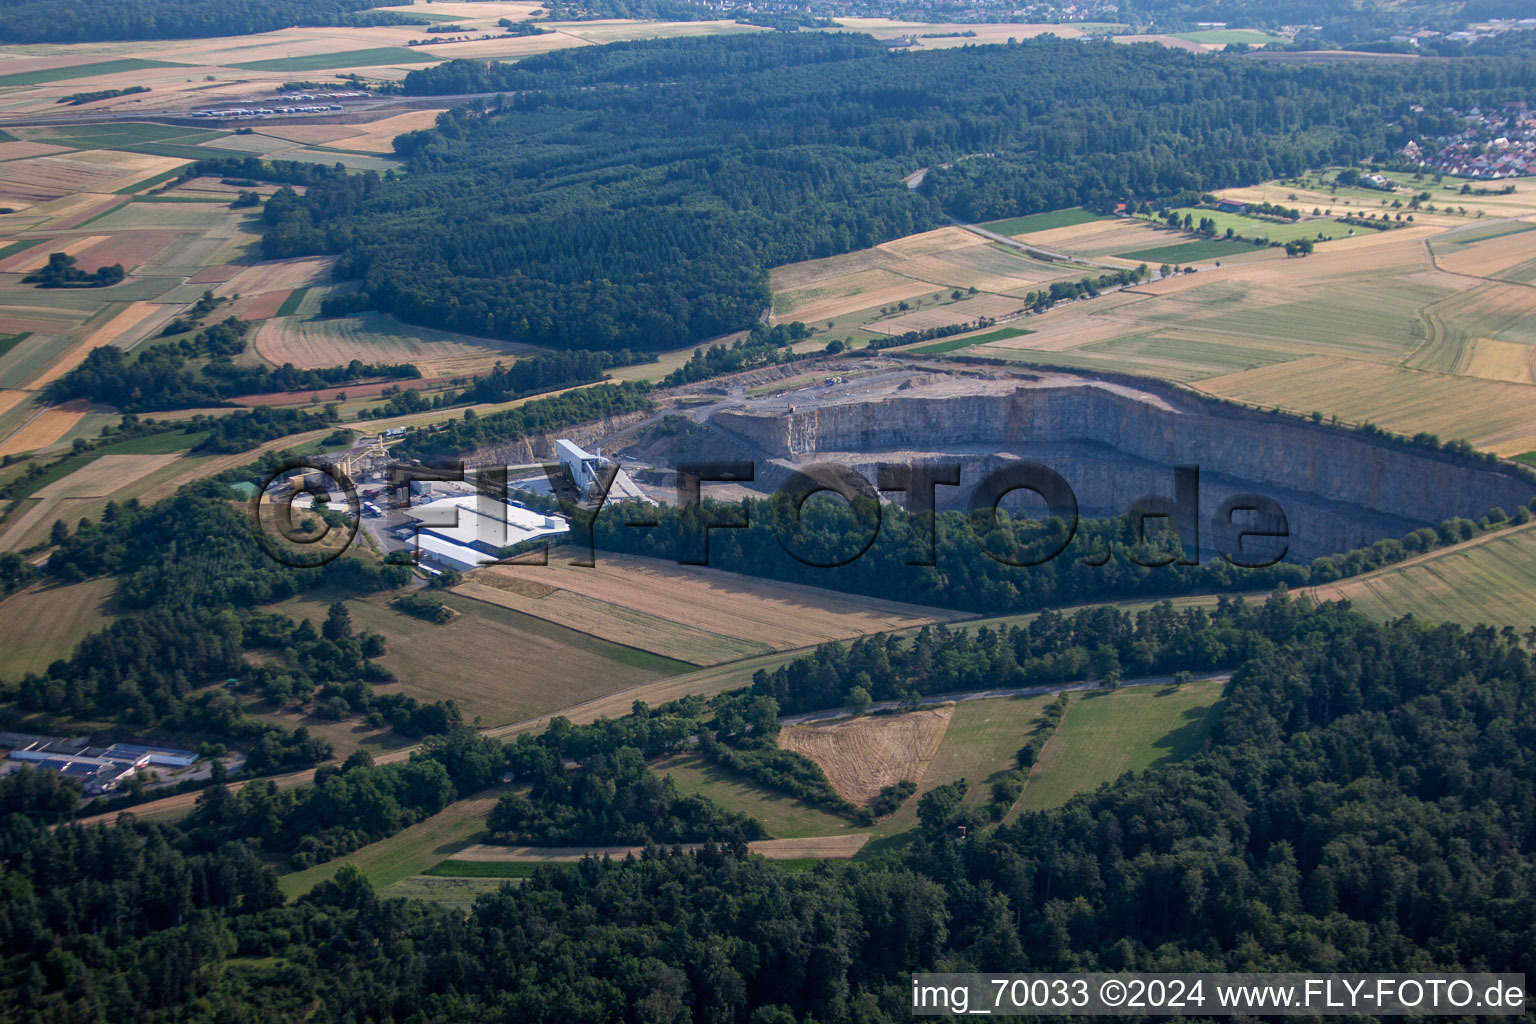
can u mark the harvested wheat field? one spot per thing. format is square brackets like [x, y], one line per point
[263, 306]
[1495, 415]
[45, 428]
[280, 275]
[217, 274]
[35, 258]
[627, 626]
[380, 338]
[128, 248]
[850, 293]
[130, 325]
[1489, 252]
[105, 475]
[861, 756]
[941, 316]
[22, 150]
[379, 136]
[782, 616]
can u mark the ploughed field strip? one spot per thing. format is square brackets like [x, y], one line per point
[706, 603]
[861, 756]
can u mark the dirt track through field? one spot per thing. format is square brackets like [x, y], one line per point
[861, 756]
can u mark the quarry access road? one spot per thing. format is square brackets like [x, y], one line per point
[1023, 691]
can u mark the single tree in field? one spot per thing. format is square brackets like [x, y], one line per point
[338, 623]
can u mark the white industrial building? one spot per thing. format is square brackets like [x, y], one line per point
[98, 769]
[468, 530]
[585, 472]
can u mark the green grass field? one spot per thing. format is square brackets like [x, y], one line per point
[42, 76]
[44, 624]
[290, 304]
[1042, 221]
[499, 665]
[481, 869]
[129, 216]
[406, 853]
[115, 136]
[1219, 36]
[151, 181]
[10, 341]
[1259, 227]
[1189, 252]
[1492, 580]
[980, 744]
[783, 816]
[1105, 735]
[454, 893]
[346, 59]
[953, 344]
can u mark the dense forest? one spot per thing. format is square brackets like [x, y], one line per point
[1364, 805]
[81, 21]
[703, 163]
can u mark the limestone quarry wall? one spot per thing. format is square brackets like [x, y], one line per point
[1339, 491]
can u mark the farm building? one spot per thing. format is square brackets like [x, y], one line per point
[468, 530]
[99, 769]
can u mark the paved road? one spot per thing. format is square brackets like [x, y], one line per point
[1026, 691]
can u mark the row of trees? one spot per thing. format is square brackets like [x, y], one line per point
[980, 561]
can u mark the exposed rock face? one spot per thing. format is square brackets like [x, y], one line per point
[537, 447]
[1114, 444]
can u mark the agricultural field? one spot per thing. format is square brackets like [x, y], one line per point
[377, 338]
[471, 659]
[1031, 223]
[1106, 734]
[764, 614]
[219, 71]
[407, 853]
[53, 620]
[454, 892]
[955, 344]
[1189, 252]
[1226, 36]
[863, 755]
[379, 136]
[865, 289]
[1268, 229]
[628, 626]
[784, 817]
[1490, 579]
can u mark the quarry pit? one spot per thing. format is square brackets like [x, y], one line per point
[1114, 442]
